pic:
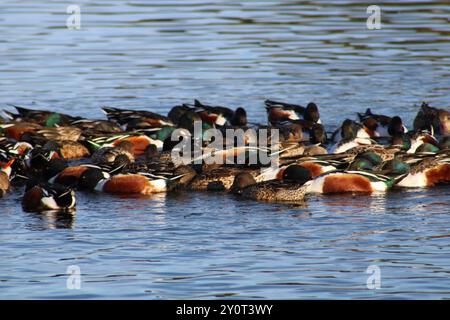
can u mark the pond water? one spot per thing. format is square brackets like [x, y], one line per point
[151, 55]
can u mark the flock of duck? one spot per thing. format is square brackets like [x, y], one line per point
[50, 156]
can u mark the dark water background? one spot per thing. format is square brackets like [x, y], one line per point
[154, 54]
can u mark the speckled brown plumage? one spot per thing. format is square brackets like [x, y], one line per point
[276, 191]
[386, 154]
[4, 183]
[73, 150]
[218, 179]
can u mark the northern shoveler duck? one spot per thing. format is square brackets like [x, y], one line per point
[37, 158]
[42, 117]
[44, 196]
[136, 119]
[349, 181]
[96, 179]
[242, 155]
[381, 125]
[394, 168]
[317, 134]
[73, 150]
[281, 111]
[96, 127]
[350, 129]
[291, 150]
[11, 148]
[16, 130]
[426, 173]
[69, 149]
[349, 143]
[140, 142]
[5, 175]
[292, 187]
[177, 112]
[239, 118]
[420, 137]
[213, 114]
[429, 117]
[353, 135]
[58, 171]
[315, 166]
[107, 155]
[302, 130]
[218, 179]
[288, 132]
[427, 148]
[60, 133]
[69, 176]
[365, 162]
[315, 150]
[375, 153]
[318, 167]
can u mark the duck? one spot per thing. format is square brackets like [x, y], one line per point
[281, 111]
[306, 131]
[37, 158]
[239, 118]
[375, 153]
[394, 168]
[314, 165]
[136, 119]
[218, 178]
[427, 173]
[60, 172]
[40, 196]
[12, 148]
[315, 150]
[349, 143]
[60, 133]
[71, 150]
[353, 135]
[5, 176]
[66, 137]
[429, 117]
[420, 137]
[96, 179]
[42, 117]
[292, 187]
[349, 181]
[16, 130]
[69, 175]
[427, 148]
[350, 129]
[139, 142]
[381, 126]
[92, 128]
[107, 155]
[216, 115]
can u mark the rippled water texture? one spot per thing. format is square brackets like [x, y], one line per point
[154, 54]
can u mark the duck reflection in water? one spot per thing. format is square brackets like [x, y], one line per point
[50, 220]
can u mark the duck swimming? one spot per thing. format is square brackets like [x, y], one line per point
[132, 152]
[292, 187]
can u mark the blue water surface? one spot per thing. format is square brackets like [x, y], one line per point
[151, 55]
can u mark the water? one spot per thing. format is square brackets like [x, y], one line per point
[153, 56]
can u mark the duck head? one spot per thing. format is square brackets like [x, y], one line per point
[239, 118]
[317, 134]
[91, 178]
[312, 113]
[297, 173]
[241, 181]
